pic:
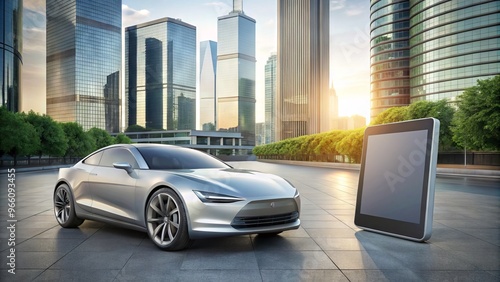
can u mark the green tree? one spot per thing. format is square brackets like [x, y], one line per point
[52, 139]
[80, 144]
[101, 138]
[122, 139]
[440, 110]
[136, 128]
[17, 137]
[352, 145]
[476, 124]
[394, 114]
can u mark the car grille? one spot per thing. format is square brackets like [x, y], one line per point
[261, 221]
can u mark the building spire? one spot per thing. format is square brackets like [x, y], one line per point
[238, 6]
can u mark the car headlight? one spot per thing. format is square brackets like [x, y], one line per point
[209, 197]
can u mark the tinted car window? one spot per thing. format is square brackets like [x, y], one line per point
[94, 159]
[118, 155]
[178, 158]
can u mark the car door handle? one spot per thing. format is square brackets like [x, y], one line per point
[93, 173]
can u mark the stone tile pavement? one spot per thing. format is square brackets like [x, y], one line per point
[465, 245]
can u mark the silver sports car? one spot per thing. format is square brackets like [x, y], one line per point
[175, 194]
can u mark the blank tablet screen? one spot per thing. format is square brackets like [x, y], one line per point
[396, 182]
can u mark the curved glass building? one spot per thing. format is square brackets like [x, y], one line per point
[389, 54]
[431, 50]
[453, 44]
[11, 60]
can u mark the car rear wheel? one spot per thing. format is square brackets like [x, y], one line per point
[64, 208]
[166, 221]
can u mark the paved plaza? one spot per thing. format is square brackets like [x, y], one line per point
[465, 245]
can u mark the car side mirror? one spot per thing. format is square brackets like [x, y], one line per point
[125, 166]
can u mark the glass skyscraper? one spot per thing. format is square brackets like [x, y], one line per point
[84, 61]
[11, 60]
[208, 71]
[431, 50]
[389, 55]
[270, 100]
[303, 68]
[160, 74]
[453, 44]
[235, 87]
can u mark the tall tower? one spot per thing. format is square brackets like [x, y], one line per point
[83, 62]
[160, 74]
[303, 67]
[11, 60]
[236, 73]
[270, 99]
[208, 70]
[390, 55]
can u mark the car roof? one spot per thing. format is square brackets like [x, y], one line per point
[143, 145]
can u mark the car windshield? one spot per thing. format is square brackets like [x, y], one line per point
[178, 158]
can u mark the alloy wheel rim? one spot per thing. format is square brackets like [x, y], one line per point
[62, 206]
[163, 219]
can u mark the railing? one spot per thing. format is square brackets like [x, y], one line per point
[473, 158]
[7, 161]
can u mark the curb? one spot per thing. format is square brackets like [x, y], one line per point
[440, 170]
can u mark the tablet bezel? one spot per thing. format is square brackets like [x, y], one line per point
[407, 230]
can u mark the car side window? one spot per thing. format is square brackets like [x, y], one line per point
[94, 159]
[118, 155]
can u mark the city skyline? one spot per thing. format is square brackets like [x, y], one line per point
[349, 39]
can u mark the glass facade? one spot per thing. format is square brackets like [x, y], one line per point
[235, 87]
[160, 74]
[270, 100]
[390, 55]
[208, 70]
[11, 60]
[84, 62]
[453, 44]
[442, 48]
[303, 68]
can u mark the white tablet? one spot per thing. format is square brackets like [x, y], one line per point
[396, 181]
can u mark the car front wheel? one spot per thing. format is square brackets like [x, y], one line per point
[64, 208]
[166, 221]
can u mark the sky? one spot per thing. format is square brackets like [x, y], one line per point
[349, 44]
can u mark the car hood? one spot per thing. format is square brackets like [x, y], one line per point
[238, 182]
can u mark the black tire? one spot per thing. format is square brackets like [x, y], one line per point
[64, 207]
[166, 221]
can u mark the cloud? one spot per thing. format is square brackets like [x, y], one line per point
[354, 11]
[33, 19]
[337, 5]
[131, 16]
[220, 8]
[34, 5]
